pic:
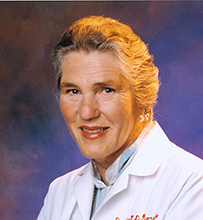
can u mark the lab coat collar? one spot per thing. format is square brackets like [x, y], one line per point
[83, 190]
[151, 154]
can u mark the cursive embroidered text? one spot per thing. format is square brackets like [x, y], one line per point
[137, 217]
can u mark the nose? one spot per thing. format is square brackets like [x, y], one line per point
[89, 108]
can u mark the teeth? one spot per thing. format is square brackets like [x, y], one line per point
[93, 131]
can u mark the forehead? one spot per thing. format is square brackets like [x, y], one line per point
[94, 65]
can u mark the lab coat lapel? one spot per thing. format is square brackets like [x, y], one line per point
[105, 212]
[83, 191]
[120, 185]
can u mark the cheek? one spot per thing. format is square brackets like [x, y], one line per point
[118, 112]
[125, 108]
[68, 110]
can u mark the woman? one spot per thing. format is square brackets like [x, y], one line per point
[108, 87]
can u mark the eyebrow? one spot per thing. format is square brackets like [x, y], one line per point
[97, 84]
[106, 83]
[68, 85]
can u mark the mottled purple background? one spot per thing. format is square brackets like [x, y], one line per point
[36, 146]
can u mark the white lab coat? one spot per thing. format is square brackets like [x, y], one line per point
[163, 182]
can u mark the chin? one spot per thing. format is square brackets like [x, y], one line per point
[93, 154]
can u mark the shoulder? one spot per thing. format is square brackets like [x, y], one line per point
[68, 180]
[158, 153]
[177, 162]
[184, 161]
[168, 150]
[60, 191]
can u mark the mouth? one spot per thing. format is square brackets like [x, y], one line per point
[93, 132]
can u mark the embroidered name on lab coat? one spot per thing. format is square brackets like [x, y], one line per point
[137, 217]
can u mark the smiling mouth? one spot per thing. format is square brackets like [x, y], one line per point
[94, 131]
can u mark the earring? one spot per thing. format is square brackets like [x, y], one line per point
[144, 116]
[147, 116]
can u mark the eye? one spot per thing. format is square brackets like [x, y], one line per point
[108, 90]
[72, 91]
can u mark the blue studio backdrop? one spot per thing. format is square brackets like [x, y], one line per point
[35, 144]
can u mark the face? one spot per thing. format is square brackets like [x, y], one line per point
[97, 103]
